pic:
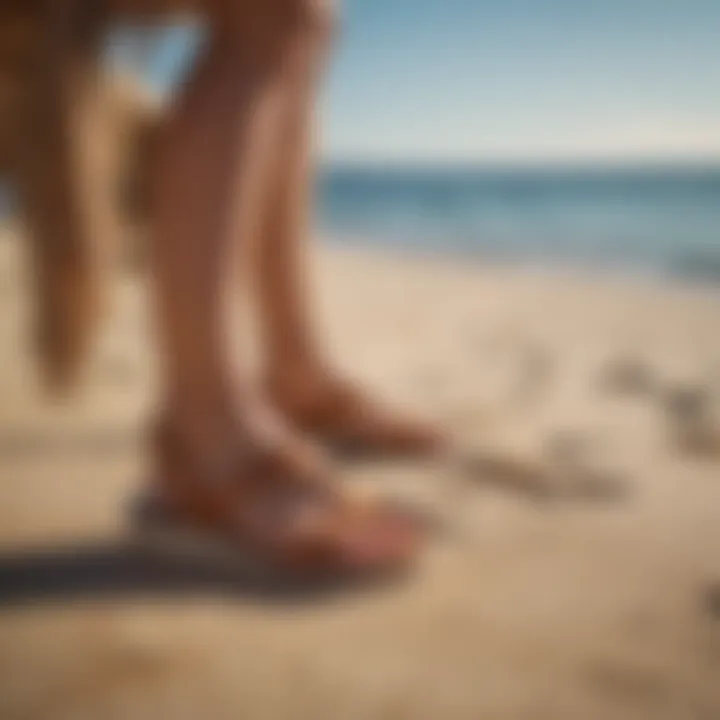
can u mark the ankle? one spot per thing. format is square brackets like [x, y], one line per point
[193, 448]
[197, 436]
[298, 379]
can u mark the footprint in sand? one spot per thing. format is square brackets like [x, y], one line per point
[691, 410]
[627, 679]
[629, 377]
[693, 420]
[560, 471]
[711, 601]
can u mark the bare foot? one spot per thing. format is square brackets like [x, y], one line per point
[347, 420]
[278, 506]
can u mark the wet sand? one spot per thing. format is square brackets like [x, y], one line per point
[546, 596]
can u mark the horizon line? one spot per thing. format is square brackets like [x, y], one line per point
[711, 164]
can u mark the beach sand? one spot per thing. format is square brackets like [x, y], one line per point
[585, 584]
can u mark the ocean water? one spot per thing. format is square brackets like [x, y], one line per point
[643, 220]
[637, 221]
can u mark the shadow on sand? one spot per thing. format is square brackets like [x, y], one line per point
[119, 571]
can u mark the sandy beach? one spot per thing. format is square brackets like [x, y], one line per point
[581, 583]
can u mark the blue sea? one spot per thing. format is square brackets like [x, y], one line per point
[659, 221]
[656, 220]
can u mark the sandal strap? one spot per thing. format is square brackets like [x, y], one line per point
[218, 492]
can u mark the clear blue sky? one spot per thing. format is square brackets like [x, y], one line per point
[519, 80]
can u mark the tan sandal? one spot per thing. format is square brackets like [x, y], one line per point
[270, 512]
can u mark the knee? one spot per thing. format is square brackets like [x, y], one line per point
[316, 18]
[278, 21]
